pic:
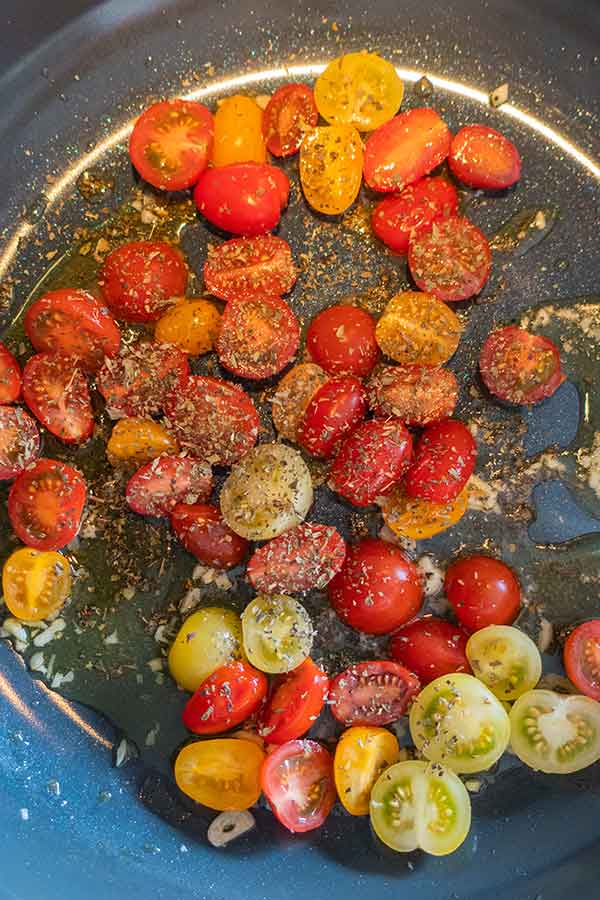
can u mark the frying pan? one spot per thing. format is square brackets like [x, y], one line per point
[71, 824]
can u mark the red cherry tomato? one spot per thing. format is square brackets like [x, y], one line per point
[405, 149]
[10, 376]
[399, 217]
[45, 504]
[300, 559]
[171, 143]
[290, 112]
[482, 591]
[19, 441]
[243, 198]
[225, 699]
[245, 268]
[520, 367]
[378, 589]
[57, 393]
[140, 280]
[483, 158]
[431, 647]
[137, 381]
[418, 395]
[294, 704]
[341, 340]
[161, 484]
[73, 323]
[258, 337]
[452, 261]
[371, 460]
[372, 693]
[213, 419]
[333, 412]
[204, 533]
[444, 461]
[297, 780]
[582, 658]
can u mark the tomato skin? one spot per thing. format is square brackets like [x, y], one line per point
[292, 396]
[202, 531]
[238, 132]
[361, 755]
[299, 771]
[294, 704]
[290, 112]
[484, 158]
[431, 647]
[482, 591]
[398, 217]
[341, 340]
[333, 412]
[57, 393]
[371, 460]
[242, 198]
[581, 657]
[45, 504]
[520, 367]
[418, 395]
[10, 376]
[156, 488]
[225, 699]
[444, 461]
[258, 337]
[247, 267]
[300, 559]
[372, 693]
[452, 261]
[19, 441]
[137, 381]
[140, 279]
[378, 588]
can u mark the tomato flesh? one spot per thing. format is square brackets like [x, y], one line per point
[582, 658]
[203, 532]
[484, 158]
[332, 413]
[444, 461]
[166, 481]
[418, 395]
[372, 693]
[300, 559]
[137, 381]
[19, 441]
[520, 367]
[399, 217]
[45, 504]
[452, 261]
[294, 704]
[140, 280]
[57, 393]
[341, 340]
[290, 113]
[258, 337]
[431, 647]
[225, 699]
[243, 198]
[249, 267]
[482, 591]
[10, 376]
[297, 780]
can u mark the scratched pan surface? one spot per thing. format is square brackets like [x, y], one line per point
[71, 823]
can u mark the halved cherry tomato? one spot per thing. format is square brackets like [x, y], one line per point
[56, 391]
[278, 633]
[372, 693]
[73, 323]
[294, 392]
[300, 559]
[297, 780]
[520, 367]
[399, 217]
[223, 773]
[238, 132]
[371, 460]
[202, 531]
[431, 647]
[213, 419]
[331, 159]
[361, 755]
[333, 412]
[225, 699]
[483, 158]
[341, 339]
[45, 504]
[10, 376]
[171, 143]
[378, 588]
[452, 261]
[582, 658]
[243, 198]
[482, 591]
[258, 337]
[208, 639]
[418, 328]
[140, 280]
[444, 461]
[290, 113]
[166, 481]
[248, 267]
[136, 382]
[418, 395]
[136, 441]
[359, 89]
[191, 325]
[35, 583]
[294, 704]
[405, 149]
[416, 519]
[19, 441]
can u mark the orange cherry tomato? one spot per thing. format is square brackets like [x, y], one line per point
[418, 328]
[138, 440]
[361, 756]
[222, 774]
[417, 519]
[238, 132]
[192, 325]
[331, 159]
[293, 395]
[418, 395]
[35, 583]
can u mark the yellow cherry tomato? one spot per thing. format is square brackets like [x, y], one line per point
[417, 519]
[137, 440]
[238, 132]
[192, 325]
[208, 639]
[331, 162]
[361, 755]
[223, 774]
[35, 583]
[418, 328]
[359, 89]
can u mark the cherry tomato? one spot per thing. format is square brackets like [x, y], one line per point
[278, 633]
[359, 89]
[238, 132]
[72, 322]
[45, 504]
[245, 268]
[444, 461]
[191, 325]
[57, 393]
[341, 339]
[483, 158]
[207, 640]
[290, 113]
[171, 142]
[418, 328]
[258, 337]
[294, 704]
[19, 441]
[331, 159]
[371, 460]
[399, 217]
[10, 376]
[222, 774]
[431, 647]
[482, 591]
[520, 367]
[332, 413]
[136, 441]
[418, 395]
[452, 261]
[137, 381]
[297, 780]
[166, 481]
[294, 392]
[139, 280]
[202, 531]
[372, 693]
[35, 583]
[410, 517]
[225, 699]
[378, 589]
[405, 149]
[361, 755]
[213, 419]
[243, 198]
[300, 559]
[582, 658]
